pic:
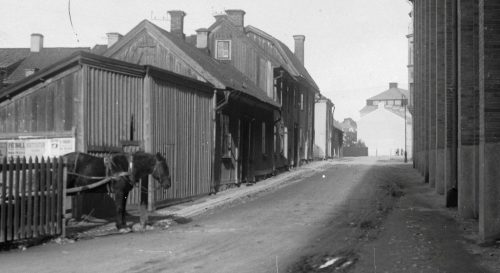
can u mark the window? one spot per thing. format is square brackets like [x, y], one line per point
[301, 101]
[223, 49]
[274, 138]
[263, 138]
[227, 143]
[284, 149]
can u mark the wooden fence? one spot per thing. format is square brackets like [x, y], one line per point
[31, 198]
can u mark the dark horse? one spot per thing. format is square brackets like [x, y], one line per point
[123, 169]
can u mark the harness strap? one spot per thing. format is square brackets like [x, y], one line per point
[131, 168]
[96, 184]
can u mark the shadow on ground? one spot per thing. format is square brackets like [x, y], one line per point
[337, 247]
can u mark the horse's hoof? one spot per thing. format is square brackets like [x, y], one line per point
[124, 230]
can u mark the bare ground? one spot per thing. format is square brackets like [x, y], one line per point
[345, 216]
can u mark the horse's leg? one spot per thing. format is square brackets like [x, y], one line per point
[124, 205]
[120, 208]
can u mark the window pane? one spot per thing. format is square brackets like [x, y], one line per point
[223, 50]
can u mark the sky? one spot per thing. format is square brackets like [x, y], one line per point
[353, 48]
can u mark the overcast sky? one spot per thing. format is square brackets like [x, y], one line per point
[353, 48]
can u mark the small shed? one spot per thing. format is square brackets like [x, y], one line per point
[106, 105]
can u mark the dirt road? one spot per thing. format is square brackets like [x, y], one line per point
[319, 223]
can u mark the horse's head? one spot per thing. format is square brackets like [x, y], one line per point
[161, 171]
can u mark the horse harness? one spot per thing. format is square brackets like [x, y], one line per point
[109, 165]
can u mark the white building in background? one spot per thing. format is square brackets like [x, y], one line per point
[385, 124]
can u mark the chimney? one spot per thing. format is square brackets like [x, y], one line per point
[113, 37]
[299, 47]
[236, 16]
[202, 38]
[393, 85]
[36, 42]
[219, 16]
[177, 23]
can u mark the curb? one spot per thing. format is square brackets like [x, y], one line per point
[206, 203]
[233, 194]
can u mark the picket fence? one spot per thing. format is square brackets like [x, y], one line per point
[32, 195]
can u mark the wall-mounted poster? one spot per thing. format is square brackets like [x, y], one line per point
[36, 147]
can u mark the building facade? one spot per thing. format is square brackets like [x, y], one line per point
[325, 138]
[385, 123]
[457, 107]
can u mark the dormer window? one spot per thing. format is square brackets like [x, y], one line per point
[30, 71]
[223, 49]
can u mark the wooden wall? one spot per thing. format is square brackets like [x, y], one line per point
[47, 107]
[113, 109]
[182, 119]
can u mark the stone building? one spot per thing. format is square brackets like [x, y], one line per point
[457, 105]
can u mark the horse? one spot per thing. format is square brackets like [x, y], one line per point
[124, 170]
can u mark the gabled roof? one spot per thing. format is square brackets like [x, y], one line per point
[392, 94]
[292, 64]
[221, 75]
[42, 59]
[367, 109]
[82, 57]
[397, 110]
[10, 56]
[99, 49]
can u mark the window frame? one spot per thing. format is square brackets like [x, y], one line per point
[217, 50]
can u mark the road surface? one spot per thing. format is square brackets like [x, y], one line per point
[316, 223]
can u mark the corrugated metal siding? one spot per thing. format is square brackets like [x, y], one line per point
[182, 131]
[47, 108]
[114, 109]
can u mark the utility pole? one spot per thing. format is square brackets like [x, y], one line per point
[406, 154]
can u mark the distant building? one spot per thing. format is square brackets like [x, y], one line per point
[385, 123]
[350, 129]
[328, 135]
[19, 63]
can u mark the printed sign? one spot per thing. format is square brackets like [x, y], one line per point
[37, 147]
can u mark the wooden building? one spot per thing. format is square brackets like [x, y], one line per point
[107, 105]
[281, 75]
[244, 114]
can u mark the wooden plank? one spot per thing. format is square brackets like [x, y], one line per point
[43, 198]
[60, 197]
[48, 196]
[53, 196]
[15, 198]
[36, 199]
[29, 214]
[3, 203]
[63, 196]
[23, 199]
[51, 134]
[9, 199]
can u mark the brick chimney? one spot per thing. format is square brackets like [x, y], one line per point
[36, 42]
[177, 23]
[202, 38]
[113, 37]
[299, 47]
[393, 85]
[237, 17]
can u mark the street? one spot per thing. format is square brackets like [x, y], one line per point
[330, 220]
